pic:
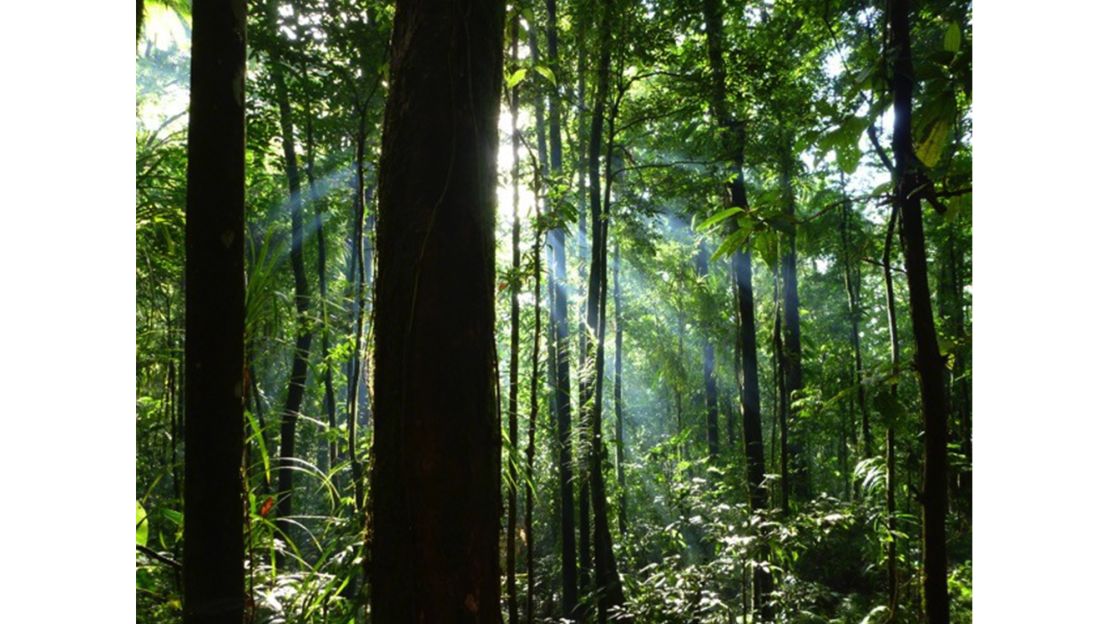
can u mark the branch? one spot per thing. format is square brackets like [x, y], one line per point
[158, 557]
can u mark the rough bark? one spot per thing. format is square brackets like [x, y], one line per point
[214, 316]
[436, 474]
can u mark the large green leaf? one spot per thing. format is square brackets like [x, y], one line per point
[952, 38]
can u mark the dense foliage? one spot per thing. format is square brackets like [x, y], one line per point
[792, 102]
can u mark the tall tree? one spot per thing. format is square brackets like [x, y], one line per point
[295, 394]
[562, 335]
[734, 138]
[709, 374]
[908, 180]
[514, 333]
[618, 381]
[215, 315]
[610, 592]
[852, 287]
[436, 474]
[794, 460]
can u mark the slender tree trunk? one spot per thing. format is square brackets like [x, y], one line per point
[562, 342]
[610, 593]
[359, 265]
[709, 374]
[735, 138]
[583, 364]
[514, 339]
[322, 286]
[930, 366]
[891, 511]
[852, 286]
[295, 395]
[214, 316]
[782, 403]
[436, 434]
[618, 378]
[533, 414]
[791, 331]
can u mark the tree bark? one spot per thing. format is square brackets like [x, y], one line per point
[295, 395]
[852, 287]
[568, 569]
[891, 511]
[735, 138]
[929, 364]
[618, 380]
[709, 375]
[436, 474]
[791, 331]
[610, 592]
[214, 316]
[514, 338]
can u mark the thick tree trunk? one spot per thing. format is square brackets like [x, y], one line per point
[709, 375]
[436, 474]
[214, 316]
[514, 340]
[930, 365]
[295, 395]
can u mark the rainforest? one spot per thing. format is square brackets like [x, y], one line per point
[542, 311]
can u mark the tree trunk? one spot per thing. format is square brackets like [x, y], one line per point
[781, 403]
[354, 366]
[618, 377]
[930, 366]
[583, 369]
[610, 593]
[852, 287]
[735, 139]
[436, 474]
[214, 316]
[791, 331]
[891, 511]
[514, 338]
[562, 343]
[534, 408]
[322, 286]
[709, 374]
[295, 395]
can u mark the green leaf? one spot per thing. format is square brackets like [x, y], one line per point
[952, 38]
[544, 71]
[717, 218]
[517, 76]
[931, 148]
[142, 527]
